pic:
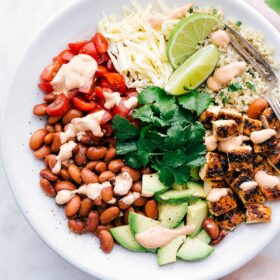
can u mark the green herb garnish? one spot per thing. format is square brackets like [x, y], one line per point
[251, 85]
[169, 139]
[234, 87]
[238, 23]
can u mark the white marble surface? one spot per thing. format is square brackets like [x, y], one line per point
[23, 255]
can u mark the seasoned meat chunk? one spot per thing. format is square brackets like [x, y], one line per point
[251, 125]
[247, 190]
[271, 194]
[274, 158]
[225, 128]
[230, 176]
[240, 159]
[258, 213]
[269, 119]
[267, 146]
[230, 220]
[223, 205]
[230, 114]
[214, 168]
[208, 116]
[264, 166]
[209, 185]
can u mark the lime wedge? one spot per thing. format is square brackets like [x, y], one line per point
[186, 36]
[194, 71]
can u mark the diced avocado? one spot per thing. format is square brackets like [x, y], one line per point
[176, 197]
[196, 214]
[125, 238]
[139, 223]
[170, 215]
[179, 187]
[193, 250]
[168, 253]
[197, 189]
[204, 237]
[195, 173]
[152, 185]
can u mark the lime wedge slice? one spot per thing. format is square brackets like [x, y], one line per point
[186, 36]
[194, 71]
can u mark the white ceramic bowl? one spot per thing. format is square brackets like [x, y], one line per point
[77, 22]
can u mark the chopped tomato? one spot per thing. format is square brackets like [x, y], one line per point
[72, 93]
[107, 116]
[131, 93]
[89, 49]
[105, 84]
[76, 46]
[100, 43]
[101, 71]
[87, 88]
[98, 92]
[110, 66]
[46, 87]
[108, 128]
[49, 72]
[59, 107]
[64, 56]
[117, 81]
[102, 58]
[121, 109]
[82, 105]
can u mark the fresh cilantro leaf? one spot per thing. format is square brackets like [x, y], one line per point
[144, 113]
[195, 132]
[165, 106]
[238, 23]
[124, 130]
[166, 176]
[149, 95]
[181, 174]
[226, 100]
[251, 86]
[195, 101]
[173, 158]
[235, 87]
[197, 162]
[126, 147]
[176, 136]
[133, 160]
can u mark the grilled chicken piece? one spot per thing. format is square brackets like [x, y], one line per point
[274, 158]
[208, 116]
[271, 194]
[214, 168]
[230, 114]
[225, 128]
[230, 176]
[209, 185]
[264, 166]
[258, 213]
[230, 220]
[247, 196]
[267, 146]
[240, 159]
[269, 119]
[251, 125]
[224, 205]
[258, 158]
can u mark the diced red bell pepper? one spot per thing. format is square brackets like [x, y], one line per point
[101, 43]
[49, 72]
[103, 83]
[59, 106]
[107, 116]
[89, 49]
[64, 57]
[83, 105]
[117, 81]
[76, 46]
[121, 109]
[46, 87]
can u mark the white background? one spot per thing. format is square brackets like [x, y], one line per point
[23, 255]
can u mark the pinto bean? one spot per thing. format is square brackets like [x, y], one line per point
[86, 206]
[64, 174]
[64, 185]
[137, 187]
[49, 138]
[126, 214]
[106, 241]
[92, 221]
[42, 152]
[220, 237]
[37, 139]
[256, 108]
[96, 153]
[91, 165]
[70, 115]
[85, 139]
[146, 170]
[110, 154]
[116, 165]
[106, 176]
[101, 227]
[151, 209]
[49, 98]
[109, 215]
[75, 173]
[100, 167]
[49, 128]
[134, 173]
[47, 187]
[211, 227]
[52, 160]
[47, 174]
[88, 177]
[141, 201]
[107, 194]
[40, 109]
[72, 207]
[76, 226]
[56, 143]
[58, 127]
[118, 222]
[80, 156]
[53, 120]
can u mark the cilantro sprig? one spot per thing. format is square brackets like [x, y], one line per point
[169, 139]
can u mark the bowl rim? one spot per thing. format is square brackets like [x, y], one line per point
[7, 173]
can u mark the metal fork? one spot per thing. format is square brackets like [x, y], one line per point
[261, 65]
